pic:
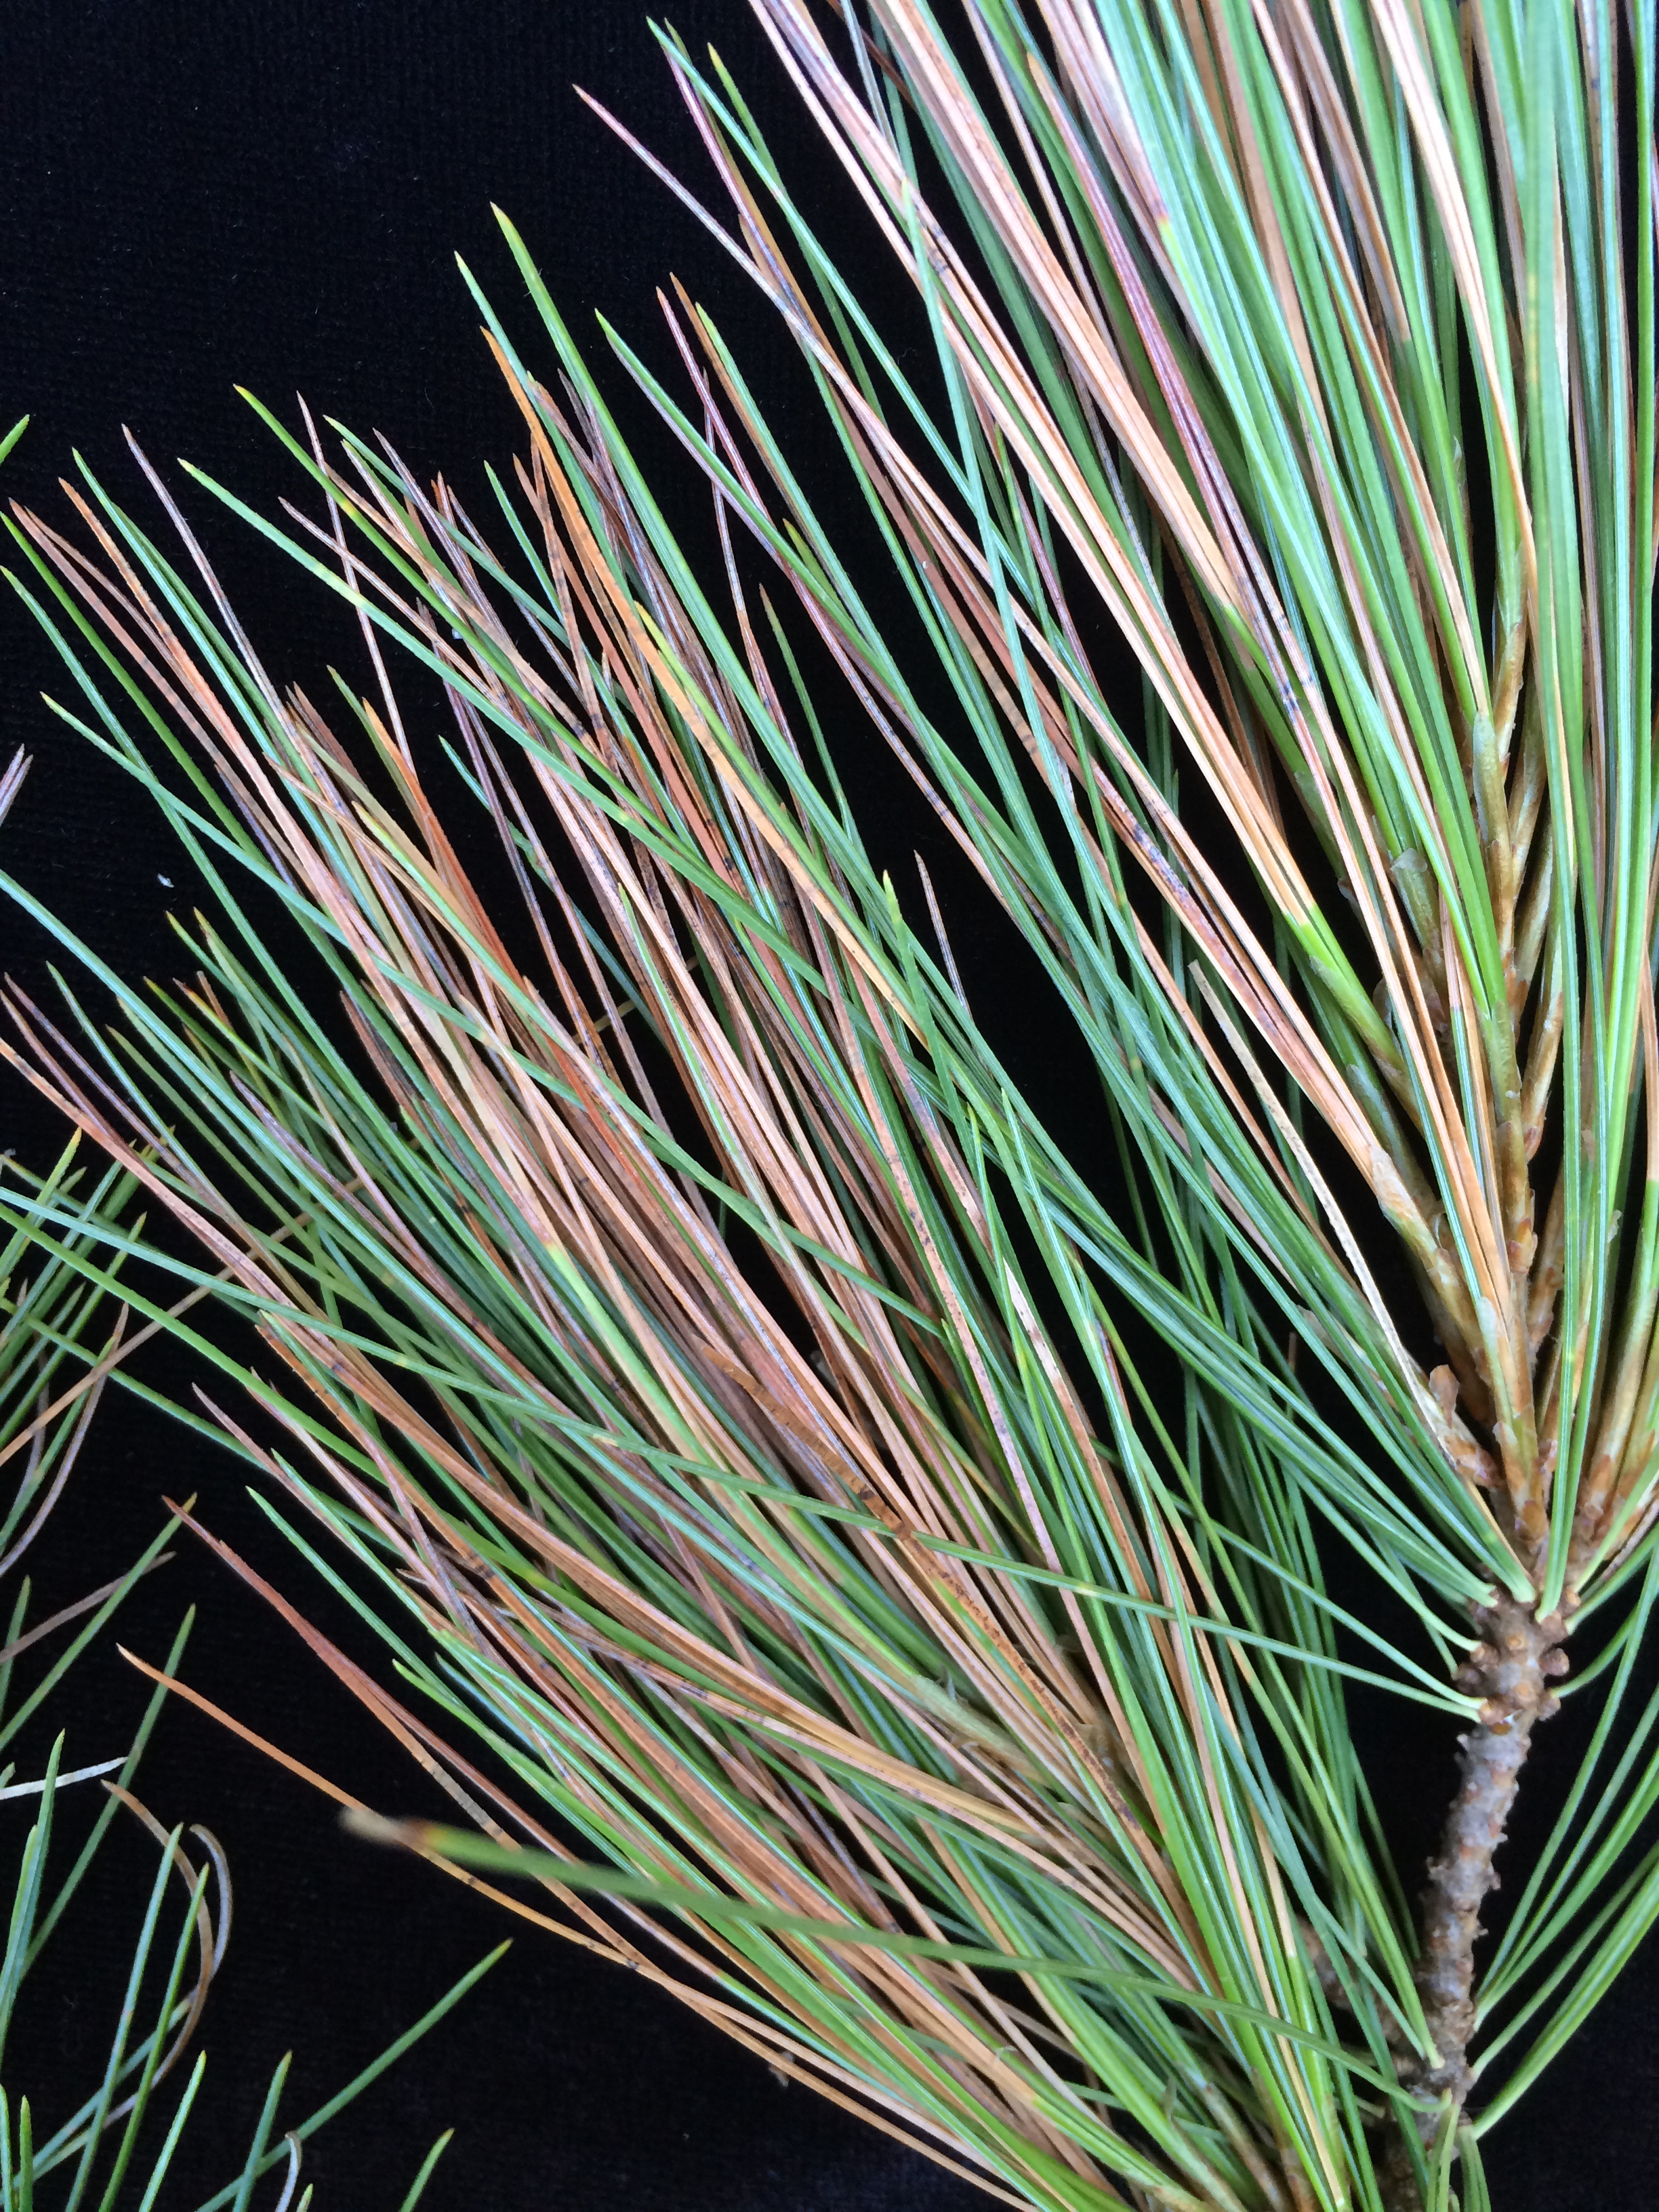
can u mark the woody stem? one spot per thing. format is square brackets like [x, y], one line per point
[1512, 1667]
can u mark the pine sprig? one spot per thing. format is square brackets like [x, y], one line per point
[742, 1398]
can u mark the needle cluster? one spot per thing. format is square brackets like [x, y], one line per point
[741, 1399]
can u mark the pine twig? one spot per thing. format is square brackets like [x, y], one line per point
[1512, 1665]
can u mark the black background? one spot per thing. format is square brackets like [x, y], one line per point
[195, 197]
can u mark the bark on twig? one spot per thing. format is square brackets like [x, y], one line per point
[1512, 1667]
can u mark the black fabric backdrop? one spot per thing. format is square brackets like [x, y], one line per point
[195, 197]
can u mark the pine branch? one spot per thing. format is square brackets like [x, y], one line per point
[1510, 1668]
[725, 1372]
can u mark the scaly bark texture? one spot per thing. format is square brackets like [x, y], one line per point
[1512, 1666]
